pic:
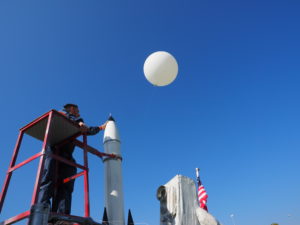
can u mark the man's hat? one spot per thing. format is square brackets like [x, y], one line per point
[69, 105]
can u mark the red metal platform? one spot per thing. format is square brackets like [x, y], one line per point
[53, 129]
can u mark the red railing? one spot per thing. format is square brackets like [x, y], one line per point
[41, 128]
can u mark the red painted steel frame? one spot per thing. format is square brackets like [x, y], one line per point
[25, 162]
[68, 162]
[36, 121]
[66, 180]
[95, 151]
[12, 167]
[41, 163]
[17, 218]
[8, 174]
[86, 180]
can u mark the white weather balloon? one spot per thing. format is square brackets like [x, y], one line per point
[160, 68]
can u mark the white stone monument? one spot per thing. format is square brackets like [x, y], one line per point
[179, 206]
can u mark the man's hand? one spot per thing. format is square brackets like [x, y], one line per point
[84, 128]
[102, 127]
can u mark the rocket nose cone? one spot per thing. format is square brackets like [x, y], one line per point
[110, 118]
[111, 131]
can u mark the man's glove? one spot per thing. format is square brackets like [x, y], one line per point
[84, 128]
[102, 127]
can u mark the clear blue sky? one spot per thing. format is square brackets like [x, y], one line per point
[233, 110]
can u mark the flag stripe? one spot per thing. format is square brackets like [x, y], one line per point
[202, 196]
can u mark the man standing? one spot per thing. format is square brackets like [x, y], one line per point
[61, 200]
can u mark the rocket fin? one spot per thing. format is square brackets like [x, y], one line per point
[105, 218]
[130, 220]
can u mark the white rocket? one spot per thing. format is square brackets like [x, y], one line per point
[113, 190]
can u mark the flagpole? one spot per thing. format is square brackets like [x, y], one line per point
[201, 193]
[197, 173]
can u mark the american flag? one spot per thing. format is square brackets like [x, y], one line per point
[202, 195]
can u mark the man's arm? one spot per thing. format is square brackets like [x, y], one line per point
[83, 127]
[91, 130]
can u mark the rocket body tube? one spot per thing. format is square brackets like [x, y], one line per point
[114, 201]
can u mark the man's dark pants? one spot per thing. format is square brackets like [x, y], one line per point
[62, 199]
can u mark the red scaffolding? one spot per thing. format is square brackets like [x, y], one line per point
[53, 129]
